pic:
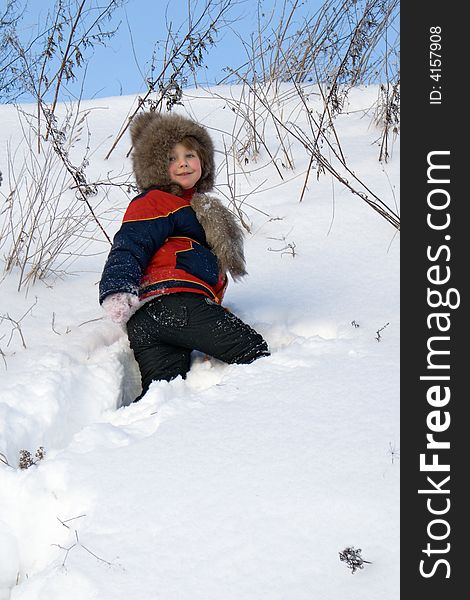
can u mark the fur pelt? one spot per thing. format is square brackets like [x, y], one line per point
[223, 234]
[153, 136]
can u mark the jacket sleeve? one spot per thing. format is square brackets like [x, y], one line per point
[133, 247]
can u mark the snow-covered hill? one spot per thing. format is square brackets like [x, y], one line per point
[242, 482]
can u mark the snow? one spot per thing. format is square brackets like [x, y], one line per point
[243, 481]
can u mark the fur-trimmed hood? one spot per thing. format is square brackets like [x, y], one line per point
[153, 136]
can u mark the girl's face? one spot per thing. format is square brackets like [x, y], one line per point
[184, 166]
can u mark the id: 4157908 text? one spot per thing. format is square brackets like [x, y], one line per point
[435, 64]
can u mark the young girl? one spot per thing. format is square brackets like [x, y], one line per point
[166, 273]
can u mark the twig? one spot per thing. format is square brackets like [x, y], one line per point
[53, 323]
[4, 460]
[64, 522]
[17, 324]
[91, 321]
[83, 188]
[77, 543]
[393, 451]
[289, 247]
[379, 337]
[185, 61]
[2, 354]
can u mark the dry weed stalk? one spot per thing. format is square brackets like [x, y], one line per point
[182, 56]
[77, 543]
[337, 48]
[387, 116]
[313, 139]
[43, 225]
[43, 65]
[16, 325]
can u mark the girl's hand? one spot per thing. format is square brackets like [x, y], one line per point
[120, 307]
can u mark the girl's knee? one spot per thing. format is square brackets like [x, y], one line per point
[256, 348]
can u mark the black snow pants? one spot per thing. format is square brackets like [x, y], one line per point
[164, 331]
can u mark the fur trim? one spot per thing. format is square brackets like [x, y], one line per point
[153, 136]
[223, 234]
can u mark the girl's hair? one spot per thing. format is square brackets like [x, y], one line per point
[191, 143]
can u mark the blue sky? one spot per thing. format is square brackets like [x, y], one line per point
[114, 70]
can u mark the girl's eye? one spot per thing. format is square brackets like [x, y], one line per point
[188, 155]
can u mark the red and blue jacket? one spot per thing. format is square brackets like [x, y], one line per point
[161, 248]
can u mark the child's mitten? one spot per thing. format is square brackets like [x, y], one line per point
[120, 307]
